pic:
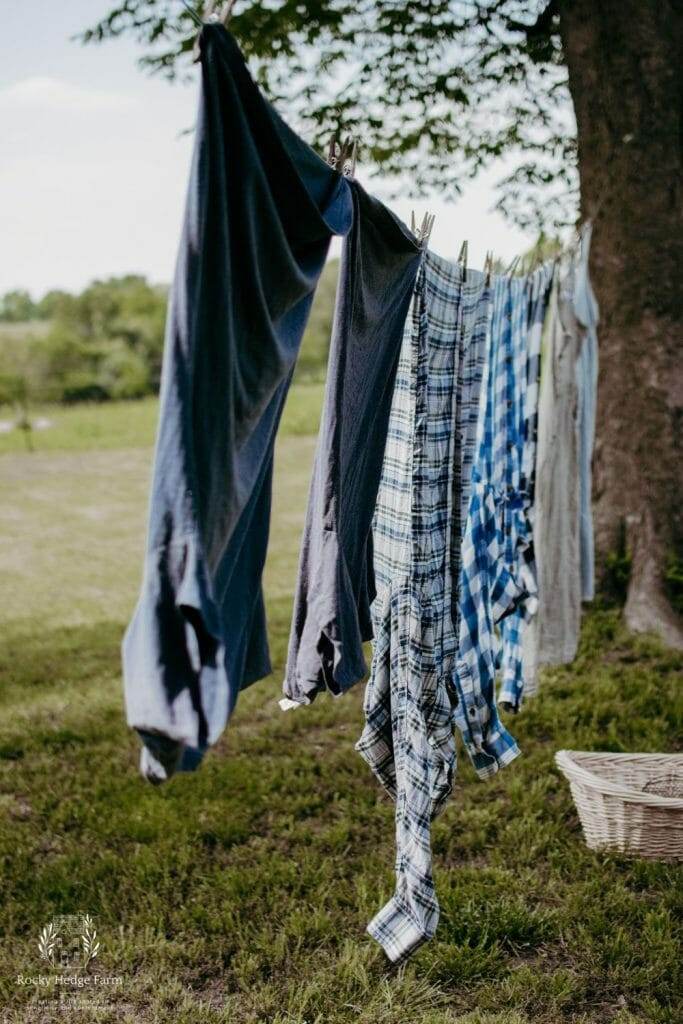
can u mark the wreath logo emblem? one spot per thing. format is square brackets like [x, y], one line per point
[91, 945]
[69, 942]
[47, 943]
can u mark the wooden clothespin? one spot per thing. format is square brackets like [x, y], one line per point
[422, 232]
[462, 259]
[215, 12]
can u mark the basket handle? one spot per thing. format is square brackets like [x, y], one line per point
[564, 759]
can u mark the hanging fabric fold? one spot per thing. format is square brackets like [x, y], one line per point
[522, 425]
[335, 585]
[416, 694]
[261, 210]
[554, 631]
[587, 314]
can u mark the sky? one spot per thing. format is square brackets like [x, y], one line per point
[95, 154]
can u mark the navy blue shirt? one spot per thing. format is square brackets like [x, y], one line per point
[261, 209]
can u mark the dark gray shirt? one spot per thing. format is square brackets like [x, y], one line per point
[335, 586]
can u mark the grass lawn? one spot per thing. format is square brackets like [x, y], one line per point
[241, 893]
[107, 426]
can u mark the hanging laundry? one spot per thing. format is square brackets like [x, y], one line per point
[490, 587]
[335, 584]
[522, 412]
[508, 385]
[587, 314]
[530, 634]
[439, 445]
[261, 210]
[553, 638]
[408, 739]
[474, 354]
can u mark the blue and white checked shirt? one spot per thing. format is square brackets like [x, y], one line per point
[488, 588]
[524, 339]
[408, 739]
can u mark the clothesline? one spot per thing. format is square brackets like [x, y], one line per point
[568, 251]
[349, 150]
[450, 496]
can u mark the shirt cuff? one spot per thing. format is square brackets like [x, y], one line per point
[396, 931]
[510, 696]
[489, 745]
[493, 757]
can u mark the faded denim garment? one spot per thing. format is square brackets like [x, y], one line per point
[335, 584]
[587, 313]
[261, 209]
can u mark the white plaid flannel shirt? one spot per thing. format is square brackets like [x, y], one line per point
[408, 740]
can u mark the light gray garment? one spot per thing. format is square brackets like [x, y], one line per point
[556, 520]
[587, 314]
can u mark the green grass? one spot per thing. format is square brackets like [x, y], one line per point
[112, 425]
[241, 893]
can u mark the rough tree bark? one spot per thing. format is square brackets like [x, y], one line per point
[626, 81]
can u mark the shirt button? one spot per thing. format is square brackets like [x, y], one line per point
[472, 712]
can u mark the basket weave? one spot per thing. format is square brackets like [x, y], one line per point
[632, 803]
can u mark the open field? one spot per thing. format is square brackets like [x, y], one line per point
[117, 425]
[240, 893]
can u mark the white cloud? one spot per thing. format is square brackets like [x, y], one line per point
[58, 96]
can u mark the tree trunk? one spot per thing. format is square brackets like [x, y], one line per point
[625, 78]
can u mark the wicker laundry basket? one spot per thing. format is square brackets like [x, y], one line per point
[632, 803]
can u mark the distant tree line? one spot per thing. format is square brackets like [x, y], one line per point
[106, 343]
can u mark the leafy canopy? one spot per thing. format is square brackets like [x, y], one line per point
[433, 90]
